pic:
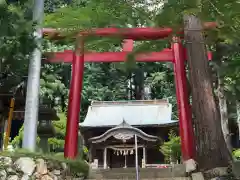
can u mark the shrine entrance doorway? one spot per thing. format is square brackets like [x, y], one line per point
[124, 156]
[119, 149]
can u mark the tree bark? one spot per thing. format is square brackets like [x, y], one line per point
[2, 125]
[138, 81]
[212, 151]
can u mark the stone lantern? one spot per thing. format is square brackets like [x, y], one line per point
[45, 127]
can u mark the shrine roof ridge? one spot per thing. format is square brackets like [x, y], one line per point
[130, 102]
[135, 113]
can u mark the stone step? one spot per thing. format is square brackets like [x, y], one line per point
[146, 173]
[133, 175]
[169, 178]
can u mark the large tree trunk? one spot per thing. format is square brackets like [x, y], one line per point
[2, 125]
[212, 151]
[138, 81]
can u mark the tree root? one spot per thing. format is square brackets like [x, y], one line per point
[220, 173]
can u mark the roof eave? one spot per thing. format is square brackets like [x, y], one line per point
[145, 125]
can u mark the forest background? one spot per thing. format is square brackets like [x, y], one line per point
[121, 81]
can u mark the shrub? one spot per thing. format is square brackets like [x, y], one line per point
[236, 154]
[171, 149]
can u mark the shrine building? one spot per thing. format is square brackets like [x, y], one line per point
[109, 131]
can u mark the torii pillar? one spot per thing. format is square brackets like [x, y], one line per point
[73, 114]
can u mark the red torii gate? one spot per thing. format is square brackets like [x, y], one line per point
[176, 55]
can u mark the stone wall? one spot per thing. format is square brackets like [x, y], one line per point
[40, 168]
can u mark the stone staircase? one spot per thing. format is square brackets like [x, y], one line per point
[175, 173]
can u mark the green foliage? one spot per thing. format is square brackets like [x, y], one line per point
[161, 81]
[97, 14]
[57, 142]
[236, 154]
[224, 12]
[172, 148]
[53, 86]
[17, 141]
[16, 43]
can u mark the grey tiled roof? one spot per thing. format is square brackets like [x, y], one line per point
[136, 113]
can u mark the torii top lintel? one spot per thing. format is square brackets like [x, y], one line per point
[125, 33]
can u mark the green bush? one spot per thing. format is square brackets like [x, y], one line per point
[172, 149]
[56, 143]
[236, 154]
